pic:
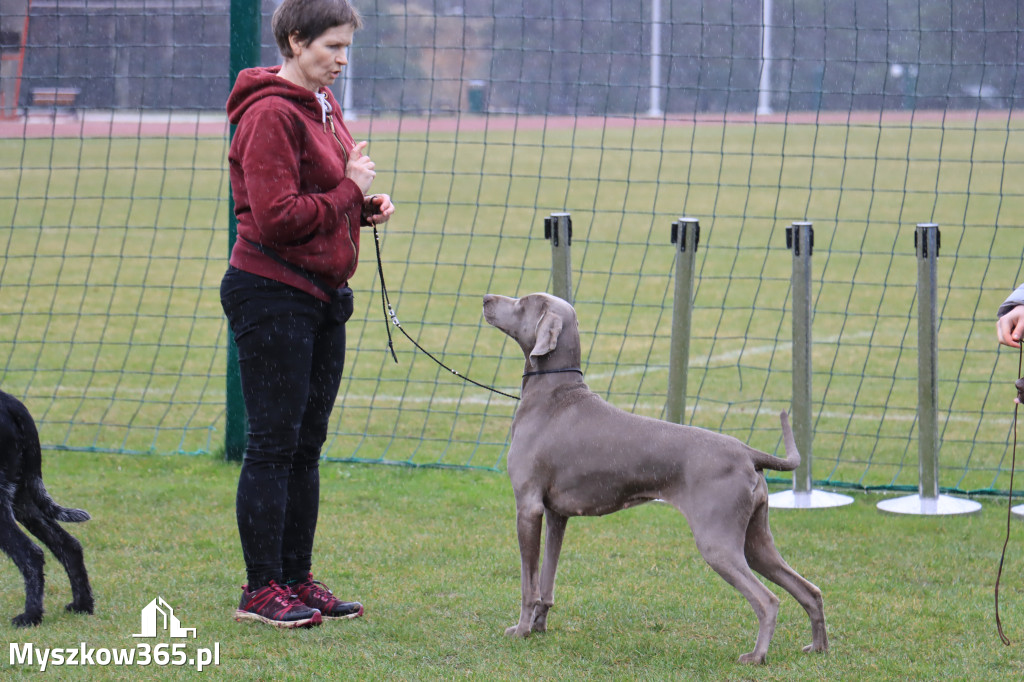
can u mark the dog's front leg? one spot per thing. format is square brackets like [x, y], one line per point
[528, 527]
[552, 548]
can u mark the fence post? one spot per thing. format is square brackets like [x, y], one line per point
[686, 234]
[245, 52]
[800, 240]
[928, 501]
[558, 230]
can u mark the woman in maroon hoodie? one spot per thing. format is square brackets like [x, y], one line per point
[301, 190]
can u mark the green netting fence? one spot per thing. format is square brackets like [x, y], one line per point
[485, 117]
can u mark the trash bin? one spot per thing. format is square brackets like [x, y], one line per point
[477, 92]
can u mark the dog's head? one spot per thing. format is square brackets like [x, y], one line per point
[545, 326]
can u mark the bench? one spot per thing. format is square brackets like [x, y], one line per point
[55, 98]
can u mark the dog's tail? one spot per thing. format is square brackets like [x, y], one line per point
[37, 491]
[792, 459]
[32, 468]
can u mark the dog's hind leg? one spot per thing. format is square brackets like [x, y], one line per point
[68, 551]
[764, 557]
[722, 548]
[29, 560]
[529, 519]
[552, 549]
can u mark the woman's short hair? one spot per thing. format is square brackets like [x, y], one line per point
[307, 20]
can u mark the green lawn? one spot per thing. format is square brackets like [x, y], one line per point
[111, 328]
[432, 555]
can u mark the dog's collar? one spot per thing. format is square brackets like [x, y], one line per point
[553, 371]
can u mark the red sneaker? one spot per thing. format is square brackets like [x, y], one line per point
[278, 606]
[315, 594]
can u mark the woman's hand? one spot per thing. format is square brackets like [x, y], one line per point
[377, 208]
[1010, 327]
[360, 168]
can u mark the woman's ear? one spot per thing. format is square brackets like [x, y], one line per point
[295, 43]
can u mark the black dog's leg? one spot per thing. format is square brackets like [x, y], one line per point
[68, 551]
[29, 560]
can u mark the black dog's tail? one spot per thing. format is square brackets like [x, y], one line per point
[32, 467]
[50, 508]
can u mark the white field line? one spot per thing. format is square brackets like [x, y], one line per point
[358, 400]
[367, 401]
[730, 356]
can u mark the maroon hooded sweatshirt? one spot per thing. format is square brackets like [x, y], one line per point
[287, 167]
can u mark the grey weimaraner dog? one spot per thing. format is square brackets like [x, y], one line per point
[573, 454]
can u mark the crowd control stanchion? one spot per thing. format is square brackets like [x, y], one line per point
[928, 501]
[800, 240]
[558, 230]
[1017, 510]
[685, 235]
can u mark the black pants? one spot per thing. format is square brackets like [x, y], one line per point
[291, 353]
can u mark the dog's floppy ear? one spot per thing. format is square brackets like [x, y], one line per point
[548, 328]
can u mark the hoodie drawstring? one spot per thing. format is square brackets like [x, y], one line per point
[325, 107]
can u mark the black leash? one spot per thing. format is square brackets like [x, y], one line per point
[384, 302]
[389, 312]
[1009, 513]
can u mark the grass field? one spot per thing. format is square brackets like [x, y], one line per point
[111, 329]
[432, 555]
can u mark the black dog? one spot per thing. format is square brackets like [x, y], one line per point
[23, 497]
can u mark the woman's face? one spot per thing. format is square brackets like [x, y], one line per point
[319, 63]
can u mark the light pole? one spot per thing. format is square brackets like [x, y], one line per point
[764, 101]
[655, 108]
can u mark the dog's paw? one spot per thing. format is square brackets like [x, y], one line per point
[540, 619]
[84, 607]
[27, 620]
[819, 648]
[514, 632]
[752, 658]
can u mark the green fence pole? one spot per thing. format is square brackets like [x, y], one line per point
[245, 52]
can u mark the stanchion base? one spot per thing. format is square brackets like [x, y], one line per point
[1018, 511]
[929, 506]
[813, 499]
